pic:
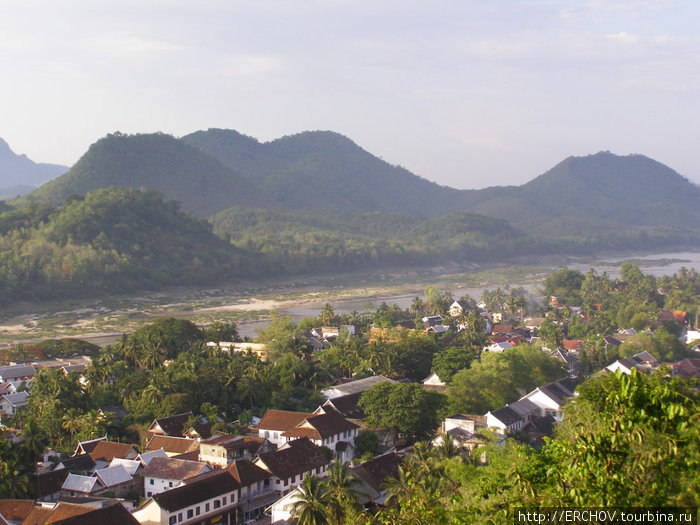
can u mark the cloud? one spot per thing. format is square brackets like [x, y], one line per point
[128, 47]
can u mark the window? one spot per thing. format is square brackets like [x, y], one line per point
[151, 481]
[172, 520]
[196, 511]
[179, 516]
[224, 501]
[170, 484]
[206, 507]
[190, 513]
[217, 504]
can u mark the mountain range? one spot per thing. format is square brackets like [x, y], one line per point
[210, 171]
[20, 175]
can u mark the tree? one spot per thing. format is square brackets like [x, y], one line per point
[407, 409]
[451, 360]
[310, 507]
[341, 492]
[327, 316]
[628, 440]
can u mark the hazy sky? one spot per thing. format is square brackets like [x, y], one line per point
[468, 94]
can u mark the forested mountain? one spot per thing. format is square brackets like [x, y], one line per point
[19, 174]
[159, 162]
[210, 171]
[323, 170]
[114, 240]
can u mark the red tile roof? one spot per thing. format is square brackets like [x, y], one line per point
[108, 450]
[172, 444]
[282, 419]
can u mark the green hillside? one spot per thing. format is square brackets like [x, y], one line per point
[159, 162]
[113, 240]
[323, 170]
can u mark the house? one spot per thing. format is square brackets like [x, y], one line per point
[346, 406]
[16, 373]
[432, 320]
[11, 403]
[465, 430]
[288, 464]
[534, 323]
[504, 419]
[436, 329]
[572, 345]
[76, 485]
[105, 451]
[118, 481]
[688, 368]
[171, 445]
[85, 447]
[146, 457]
[550, 398]
[354, 387]
[259, 350]
[328, 430]
[275, 422]
[571, 362]
[170, 426]
[82, 463]
[498, 346]
[256, 493]
[459, 307]
[222, 450]
[433, 382]
[209, 498]
[163, 474]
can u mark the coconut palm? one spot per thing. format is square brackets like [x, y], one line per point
[310, 507]
[342, 492]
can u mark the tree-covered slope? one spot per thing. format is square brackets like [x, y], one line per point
[306, 240]
[160, 162]
[323, 170]
[114, 240]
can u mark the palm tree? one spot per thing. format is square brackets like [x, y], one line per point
[71, 422]
[34, 441]
[310, 507]
[447, 448]
[341, 491]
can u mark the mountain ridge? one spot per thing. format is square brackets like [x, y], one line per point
[19, 174]
[326, 170]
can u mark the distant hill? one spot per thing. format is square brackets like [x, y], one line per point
[19, 174]
[585, 193]
[160, 162]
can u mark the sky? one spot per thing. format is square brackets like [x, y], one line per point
[465, 93]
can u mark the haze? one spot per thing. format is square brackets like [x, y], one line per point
[467, 94]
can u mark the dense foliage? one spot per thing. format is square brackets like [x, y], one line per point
[113, 240]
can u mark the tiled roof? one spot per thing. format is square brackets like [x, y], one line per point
[17, 371]
[246, 472]
[376, 470]
[130, 465]
[89, 446]
[16, 509]
[82, 462]
[16, 398]
[506, 415]
[170, 468]
[108, 450]
[78, 483]
[172, 444]
[323, 426]
[282, 419]
[114, 514]
[360, 385]
[198, 489]
[294, 457]
[171, 425]
[149, 456]
[38, 516]
[523, 407]
[112, 476]
[347, 406]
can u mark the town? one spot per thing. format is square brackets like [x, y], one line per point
[452, 407]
